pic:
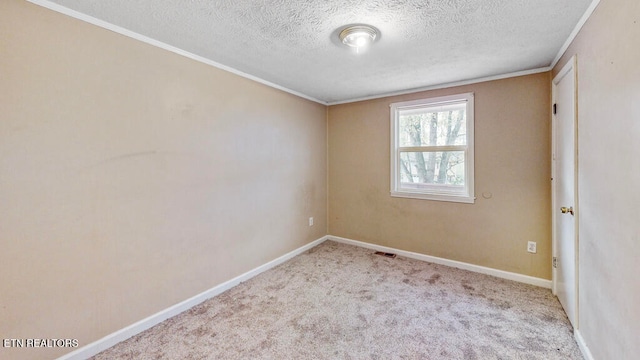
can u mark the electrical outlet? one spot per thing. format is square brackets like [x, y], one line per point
[311, 221]
[531, 247]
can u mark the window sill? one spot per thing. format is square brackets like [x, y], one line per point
[435, 197]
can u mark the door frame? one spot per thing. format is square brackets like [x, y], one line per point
[572, 64]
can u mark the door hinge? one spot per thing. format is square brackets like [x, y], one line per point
[555, 109]
[555, 262]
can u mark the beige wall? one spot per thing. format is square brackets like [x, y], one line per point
[132, 178]
[512, 162]
[608, 54]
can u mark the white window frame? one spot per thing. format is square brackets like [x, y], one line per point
[435, 192]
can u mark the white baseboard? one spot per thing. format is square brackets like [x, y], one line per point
[142, 325]
[584, 349]
[456, 264]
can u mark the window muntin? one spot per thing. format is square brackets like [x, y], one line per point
[432, 148]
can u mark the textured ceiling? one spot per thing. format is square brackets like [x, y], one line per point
[293, 43]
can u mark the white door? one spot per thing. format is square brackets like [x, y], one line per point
[564, 191]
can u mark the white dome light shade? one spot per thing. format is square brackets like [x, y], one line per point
[358, 36]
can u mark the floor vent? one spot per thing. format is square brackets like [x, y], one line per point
[386, 254]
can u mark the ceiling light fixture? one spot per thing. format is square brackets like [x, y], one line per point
[358, 36]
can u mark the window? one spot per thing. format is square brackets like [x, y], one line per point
[432, 148]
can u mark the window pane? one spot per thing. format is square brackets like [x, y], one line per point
[429, 168]
[433, 126]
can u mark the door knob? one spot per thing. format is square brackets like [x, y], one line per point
[565, 210]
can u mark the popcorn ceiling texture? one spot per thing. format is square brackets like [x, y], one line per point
[293, 43]
[338, 301]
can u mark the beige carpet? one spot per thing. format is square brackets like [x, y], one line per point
[343, 302]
